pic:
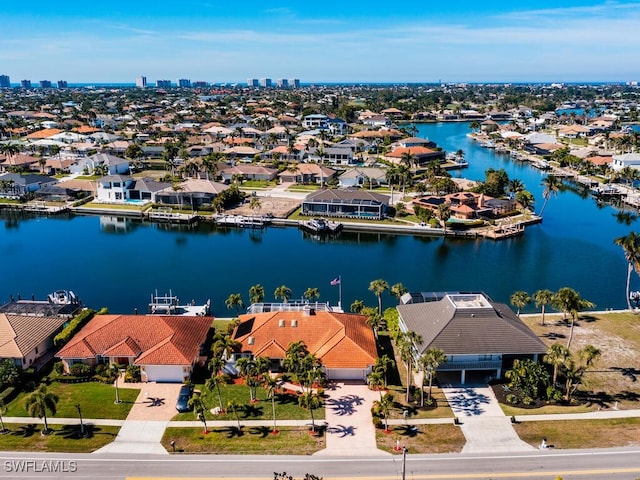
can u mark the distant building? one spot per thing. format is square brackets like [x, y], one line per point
[141, 82]
[253, 82]
[294, 82]
[184, 83]
[25, 83]
[282, 83]
[5, 81]
[163, 83]
[62, 84]
[45, 83]
[265, 82]
[200, 84]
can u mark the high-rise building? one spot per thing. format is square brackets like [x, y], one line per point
[184, 82]
[265, 82]
[163, 83]
[45, 83]
[62, 84]
[5, 81]
[252, 82]
[25, 83]
[141, 82]
[200, 84]
[282, 83]
[294, 82]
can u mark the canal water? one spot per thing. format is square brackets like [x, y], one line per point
[118, 263]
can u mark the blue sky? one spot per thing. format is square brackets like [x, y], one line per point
[328, 41]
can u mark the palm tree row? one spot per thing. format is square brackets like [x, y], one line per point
[256, 295]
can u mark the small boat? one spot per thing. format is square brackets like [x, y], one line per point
[63, 297]
[320, 225]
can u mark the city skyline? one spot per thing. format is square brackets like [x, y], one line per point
[578, 41]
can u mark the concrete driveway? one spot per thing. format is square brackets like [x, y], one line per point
[483, 422]
[350, 429]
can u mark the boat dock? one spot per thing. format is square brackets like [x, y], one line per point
[166, 214]
[170, 305]
[241, 221]
[320, 226]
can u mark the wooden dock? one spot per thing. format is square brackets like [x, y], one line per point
[500, 232]
[166, 214]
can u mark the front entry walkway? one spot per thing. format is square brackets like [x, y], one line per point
[483, 422]
[350, 429]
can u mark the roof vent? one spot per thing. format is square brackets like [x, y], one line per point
[281, 322]
[294, 323]
[251, 340]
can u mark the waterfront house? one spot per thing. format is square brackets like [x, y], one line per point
[307, 173]
[333, 154]
[166, 348]
[18, 185]
[420, 155]
[343, 342]
[363, 177]
[468, 205]
[626, 160]
[20, 162]
[248, 172]
[123, 188]
[26, 338]
[347, 203]
[115, 165]
[480, 338]
[194, 192]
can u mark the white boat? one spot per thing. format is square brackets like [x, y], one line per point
[63, 297]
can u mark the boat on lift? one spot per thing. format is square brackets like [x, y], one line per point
[63, 297]
[170, 305]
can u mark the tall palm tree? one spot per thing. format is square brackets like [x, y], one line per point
[378, 287]
[520, 299]
[384, 406]
[376, 381]
[631, 247]
[383, 364]
[224, 346]
[256, 293]
[214, 382]
[357, 306]
[3, 410]
[40, 402]
[542, 298]
[443, 213]
[310, 401]
[556, 356]
[199, 408]
[234, 301]
[406, 343]
[552, 185]
[247, 369]
[233, 406]
[282, 292]
[272, 387]
[397, 290]
[429, 362]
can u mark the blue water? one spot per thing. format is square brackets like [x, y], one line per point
[119, 264]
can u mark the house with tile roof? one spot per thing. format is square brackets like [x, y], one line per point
[115, 165]
[343, 342]
[166, 348]
[123, 188]
[346, 203]
[481, 338]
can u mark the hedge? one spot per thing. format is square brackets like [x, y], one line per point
[72, 328]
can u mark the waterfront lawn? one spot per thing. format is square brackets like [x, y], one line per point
[113, 206]
[96, 401]
[296, 215]
[258, 184]
[286, 405]
[614, 376]
[250, 441]
[64, 438]
[438, 438]
[618, 432]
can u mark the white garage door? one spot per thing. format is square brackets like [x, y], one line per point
[346, 374]
[164, 373]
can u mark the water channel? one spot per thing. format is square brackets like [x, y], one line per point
[118, 263]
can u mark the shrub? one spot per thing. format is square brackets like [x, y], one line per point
[80, 370]
[512, 399]
[133, 374]
[527, 401]
[72, 327]
[58, 367]
[554, 394]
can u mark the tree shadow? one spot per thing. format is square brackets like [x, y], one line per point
[553, 335]
[286, 399]
[251, 411]
[630, 372]
[263, 431]
[26, 430]
[408, 430]
[588, 318]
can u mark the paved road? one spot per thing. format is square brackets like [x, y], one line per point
[586, 465]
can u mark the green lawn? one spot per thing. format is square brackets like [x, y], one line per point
[113, 206]
[286, 405]
[546, 409]
[303, 188]
[445, 438]
[251, 441]
[95, 399]
[64, 438]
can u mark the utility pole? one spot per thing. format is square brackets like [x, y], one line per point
[81, 424]
[404, 462]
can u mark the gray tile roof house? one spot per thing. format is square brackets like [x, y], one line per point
[477, 334]
[346, 202]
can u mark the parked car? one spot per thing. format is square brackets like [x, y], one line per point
[182, 405]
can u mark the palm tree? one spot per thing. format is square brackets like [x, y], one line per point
[384, 406]
[357, 306]
[247, 370]
[383, 364]
[233, 406]
[398, 290]
[310, 401]
[282, 292]
[556, 356]
[569, 301]
[631, 247]
[224, 346]
[199, 409]
[429, 361]
[234, 300]
[378, 287]
[542, 299]
[406, 343]
[3, 410]
[443, 213]
[520, 299]
[272, 386]
[256, 293]
[552, 185]
[574, 370]
[214, 382]
[114, 371]
[255, 204]
[40, 402]
[376, 381]
[311, 294]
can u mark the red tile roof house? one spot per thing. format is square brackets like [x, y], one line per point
[342, 341]
[165, 347]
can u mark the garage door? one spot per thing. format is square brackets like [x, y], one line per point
[164, 373]
[347, 374]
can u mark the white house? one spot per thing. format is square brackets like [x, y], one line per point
[316, 120]
[626, 160]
